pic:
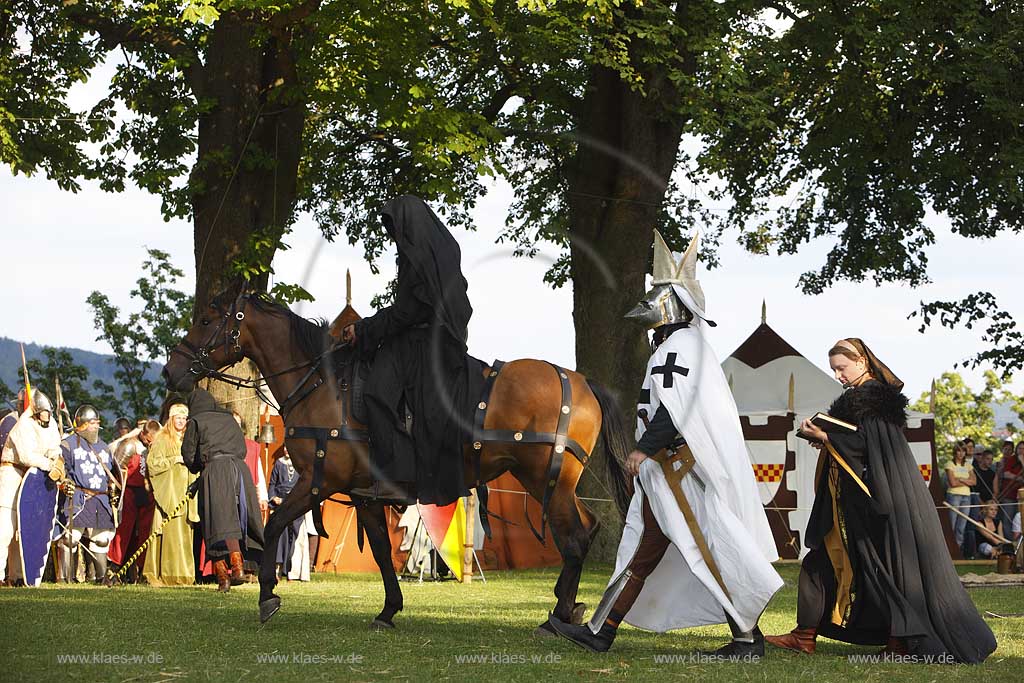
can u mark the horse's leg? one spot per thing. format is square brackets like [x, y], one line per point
[573, 526]
[295, 504]
[373, 519]
[577, 527]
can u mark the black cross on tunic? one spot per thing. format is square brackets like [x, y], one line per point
[669, 369]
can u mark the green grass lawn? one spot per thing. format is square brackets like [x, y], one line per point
[198, 634]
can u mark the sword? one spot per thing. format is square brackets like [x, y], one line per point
[70, 531]
[676, 464]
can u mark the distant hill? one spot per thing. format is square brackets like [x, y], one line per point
[100, 366]
[1004, 416]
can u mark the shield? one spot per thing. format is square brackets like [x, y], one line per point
[923, 457]
[768, 459]
[37, 512]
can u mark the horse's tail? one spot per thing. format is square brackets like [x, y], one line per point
[617, 444]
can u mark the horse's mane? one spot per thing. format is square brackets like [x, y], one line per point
[309, 333]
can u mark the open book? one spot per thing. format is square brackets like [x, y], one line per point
[828, 424]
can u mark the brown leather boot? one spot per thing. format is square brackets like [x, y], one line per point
[798, 640]
[237, 574]
[220, 568]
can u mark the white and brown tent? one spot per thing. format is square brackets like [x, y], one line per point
[775, 388]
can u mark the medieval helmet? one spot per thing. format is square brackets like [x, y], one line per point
[122, 423]
[676, 295]
[41, 403]
[84, 414]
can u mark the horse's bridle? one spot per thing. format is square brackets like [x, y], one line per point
[199, 355]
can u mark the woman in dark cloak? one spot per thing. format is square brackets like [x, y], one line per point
[878, 571]
[418, 347]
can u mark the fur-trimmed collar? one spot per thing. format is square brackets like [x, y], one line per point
[871, 399]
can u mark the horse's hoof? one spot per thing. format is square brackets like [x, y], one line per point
[545, 630]
[269, 608]
[381, 625]
[578, 610]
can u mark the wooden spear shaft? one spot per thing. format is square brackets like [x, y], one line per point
[977, 524]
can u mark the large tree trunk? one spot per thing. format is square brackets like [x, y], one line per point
[627, 144]
[244, 182]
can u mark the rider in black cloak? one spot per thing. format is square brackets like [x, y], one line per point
[878, 571]
[418, 347]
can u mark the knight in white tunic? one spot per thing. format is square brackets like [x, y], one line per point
[31, 440]
[696, 548]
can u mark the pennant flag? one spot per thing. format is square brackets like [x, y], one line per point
[61, 408]
[446, 527]
[28, 386]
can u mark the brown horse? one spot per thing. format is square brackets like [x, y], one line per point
[297, 359]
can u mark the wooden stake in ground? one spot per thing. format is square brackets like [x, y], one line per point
[467, 547]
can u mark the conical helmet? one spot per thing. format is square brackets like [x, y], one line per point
[41, 403]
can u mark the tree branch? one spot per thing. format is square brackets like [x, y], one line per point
[129, 36]
[497, 100]
[294, 15]
[783, 10]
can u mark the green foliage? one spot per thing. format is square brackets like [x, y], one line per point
[873, 112]
[962, 413]
[200, 12]
[287, 294]
[253, 264]
[1004, 341]
[142, 337]
[811, 119]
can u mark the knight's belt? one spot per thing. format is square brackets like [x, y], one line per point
[90, 492]
[675, 465]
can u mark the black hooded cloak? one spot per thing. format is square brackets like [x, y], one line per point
[214, 446]
[418, 347]
[903, 581]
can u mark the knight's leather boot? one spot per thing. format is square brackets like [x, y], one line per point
[798, 640]
[237, 572]
[220, 568]
[745, 645]
[582, 635]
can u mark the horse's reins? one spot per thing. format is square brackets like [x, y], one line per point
[198, 356]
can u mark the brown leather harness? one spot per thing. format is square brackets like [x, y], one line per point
[559, 440]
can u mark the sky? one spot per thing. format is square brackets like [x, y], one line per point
[60, 246]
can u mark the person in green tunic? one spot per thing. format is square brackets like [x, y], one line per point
[169, 560]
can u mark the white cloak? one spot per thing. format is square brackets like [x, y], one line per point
[681, 592]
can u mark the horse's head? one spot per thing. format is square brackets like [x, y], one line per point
[215, 341]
